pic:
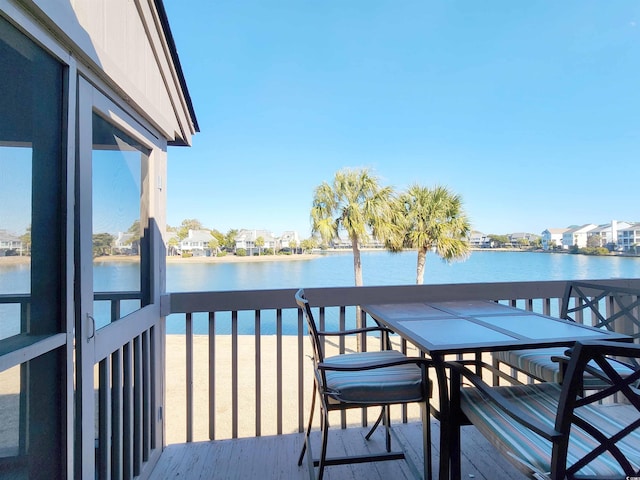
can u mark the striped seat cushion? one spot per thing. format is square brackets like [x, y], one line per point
[537, 362]
[532, 452]
[402, 383]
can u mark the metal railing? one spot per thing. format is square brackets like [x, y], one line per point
[236, 321]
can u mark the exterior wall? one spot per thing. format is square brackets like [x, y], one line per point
[247, 239]
[478, 239]
[549, 237]
[121, 42]
[576, 236]
[197, 242]
[287, 238]
[629, 238]
[117, 64]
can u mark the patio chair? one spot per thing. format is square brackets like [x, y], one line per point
[364, 379]
[621, 316]
[550, 430]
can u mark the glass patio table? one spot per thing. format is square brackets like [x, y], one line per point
[456, 327]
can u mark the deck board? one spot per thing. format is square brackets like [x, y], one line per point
[275, 457]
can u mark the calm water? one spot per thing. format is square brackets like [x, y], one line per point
[383, 268]
[335, 269]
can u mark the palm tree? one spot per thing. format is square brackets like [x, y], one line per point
[431, 219]
[259, 243]
[355, 203]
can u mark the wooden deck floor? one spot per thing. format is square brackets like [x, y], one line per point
[276, 457]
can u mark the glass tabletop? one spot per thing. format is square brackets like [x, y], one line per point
[465, 326]
[452, 331]
[419, 311]
[540, 327]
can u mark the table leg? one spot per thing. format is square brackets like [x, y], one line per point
[447, 455]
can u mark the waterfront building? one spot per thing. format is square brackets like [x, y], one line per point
[246, 239]
[478, 239]
[629, 238]
[289, 237]
[552, 237]
[126, 244]
[608, 233]
[576, 236]
[196, 243]
[522, 238]
[10, 244]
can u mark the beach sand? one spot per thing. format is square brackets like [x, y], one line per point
[176, 387]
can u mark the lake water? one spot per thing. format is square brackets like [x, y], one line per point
[384, 268]
[332, 269]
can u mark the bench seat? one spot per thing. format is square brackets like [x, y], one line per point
[540, 365]
[533, 452]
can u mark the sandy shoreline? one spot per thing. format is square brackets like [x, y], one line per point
[177, 259]
[246, 259]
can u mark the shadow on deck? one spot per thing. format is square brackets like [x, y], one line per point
[275, 457]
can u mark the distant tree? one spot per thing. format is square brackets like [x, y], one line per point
[218, 235]
[134, 229]
[308, 244]
[259, 244]
[213, 246]
[134, 233]
[523, 242]
[102, 243]
[356, 203]
[293, 245]
[498, 240]
[173, 245]
[230, 240]
[25, 238]
[593, 251]
[188, 224]
[241, 252]
[594, 241]
[430, 219]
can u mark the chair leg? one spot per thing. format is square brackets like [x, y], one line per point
[308, 433]
[387, 426]
[425, 409]
[375, 425]
[323, 450]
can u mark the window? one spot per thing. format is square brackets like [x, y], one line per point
[119, 163]
[32, 257]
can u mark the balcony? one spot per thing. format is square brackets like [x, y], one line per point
[239, 413]
[237, 383]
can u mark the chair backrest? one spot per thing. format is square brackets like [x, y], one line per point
[303, 304]
[622, 307]
[618, 435]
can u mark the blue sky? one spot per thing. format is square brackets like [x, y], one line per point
[529, 110]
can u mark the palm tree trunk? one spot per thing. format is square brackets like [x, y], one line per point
[357, 263]
[357, 270]
[422, 260]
